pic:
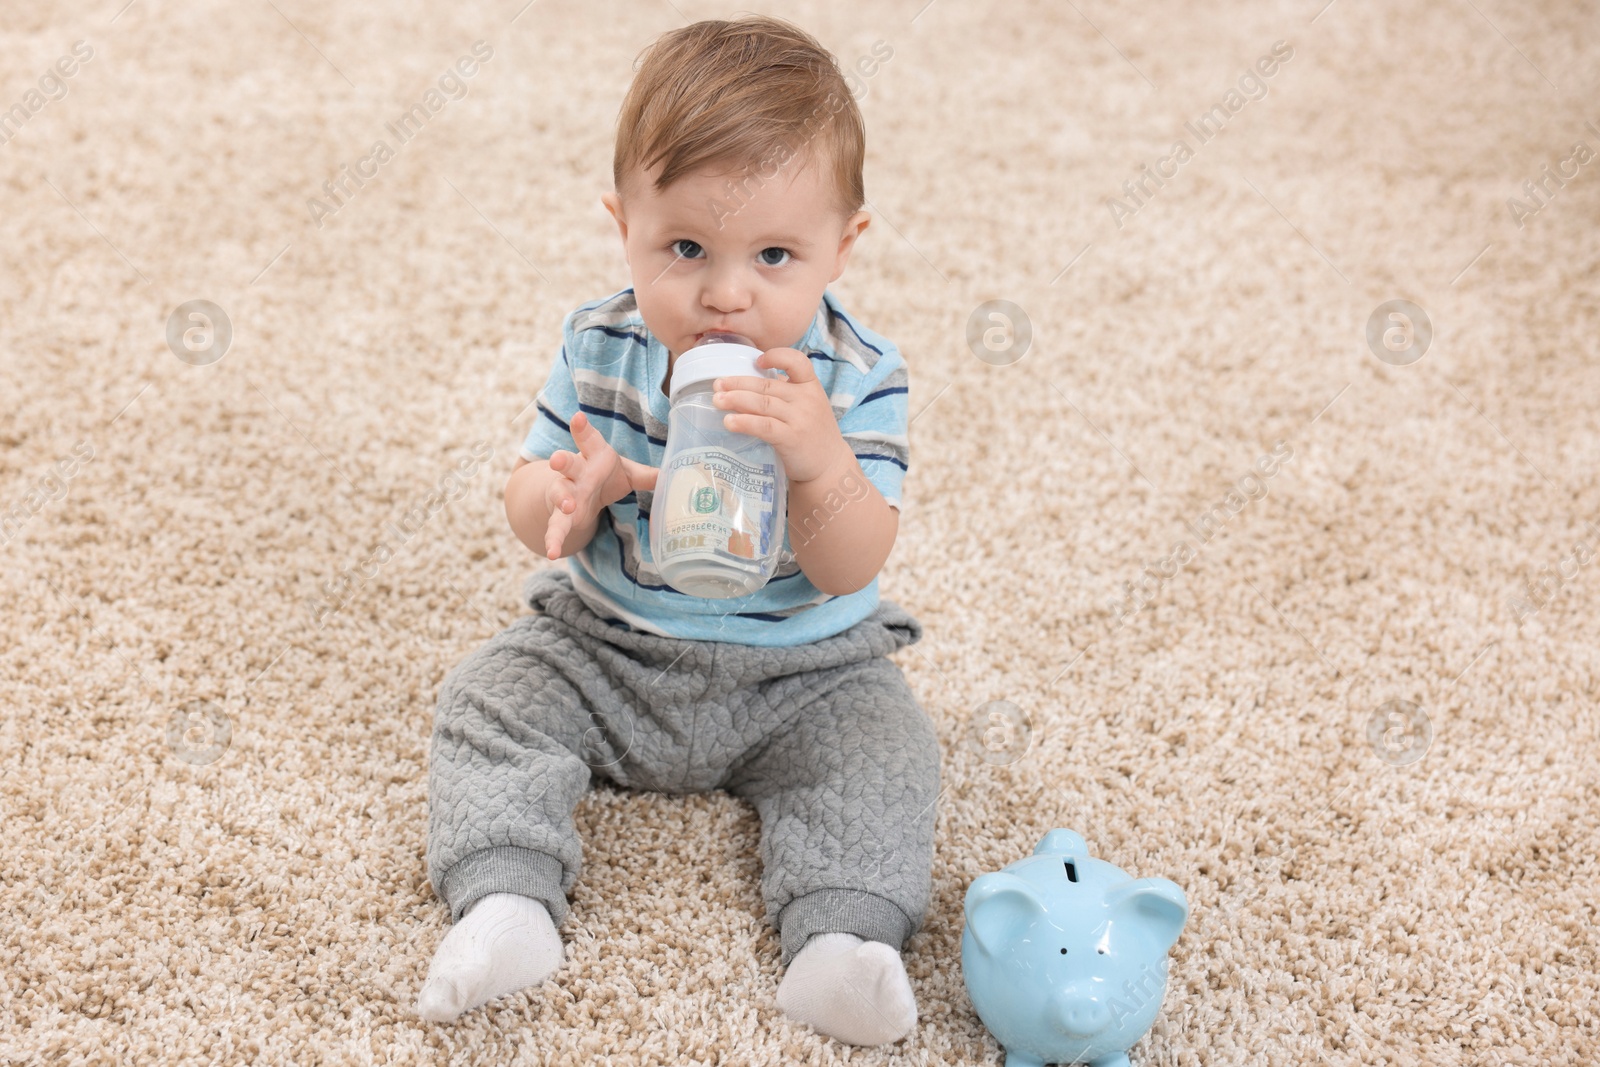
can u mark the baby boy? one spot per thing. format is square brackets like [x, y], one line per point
[738, 193]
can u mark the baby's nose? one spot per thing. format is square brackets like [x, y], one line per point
[727, 293]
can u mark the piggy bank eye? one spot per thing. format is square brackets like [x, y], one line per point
[1101, 951]
[1063, 952]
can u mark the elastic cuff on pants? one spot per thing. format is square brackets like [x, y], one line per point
[847, 911]
[506, 869]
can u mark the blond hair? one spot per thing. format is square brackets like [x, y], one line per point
[751, 93]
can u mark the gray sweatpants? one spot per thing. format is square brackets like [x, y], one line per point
[825, 739]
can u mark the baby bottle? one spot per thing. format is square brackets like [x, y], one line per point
[720, 504]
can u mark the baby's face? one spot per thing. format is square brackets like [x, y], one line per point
[753, 259]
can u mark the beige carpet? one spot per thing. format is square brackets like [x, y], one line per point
[172, 527]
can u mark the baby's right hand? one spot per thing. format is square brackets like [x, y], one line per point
[595, 478]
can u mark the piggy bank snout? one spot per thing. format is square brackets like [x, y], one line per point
[1081, 1013]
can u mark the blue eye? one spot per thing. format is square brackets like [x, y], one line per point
[685, 241]
[781, 251]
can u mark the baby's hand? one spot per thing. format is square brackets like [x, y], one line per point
[596, 478]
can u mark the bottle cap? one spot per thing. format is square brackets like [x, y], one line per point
[718, 355]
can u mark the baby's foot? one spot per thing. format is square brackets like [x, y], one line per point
[850, 989]
[504, 941]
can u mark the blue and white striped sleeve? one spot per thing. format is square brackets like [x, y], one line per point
[554, 406]
[875, 426]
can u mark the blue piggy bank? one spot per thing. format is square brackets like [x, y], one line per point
[1065, 957]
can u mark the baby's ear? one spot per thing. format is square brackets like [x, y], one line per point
[613, 203]
[854, 226]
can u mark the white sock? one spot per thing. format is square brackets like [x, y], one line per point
[503, 943]
[850, 989]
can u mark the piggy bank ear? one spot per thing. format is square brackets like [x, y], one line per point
[1153, 904]
[1000, 907]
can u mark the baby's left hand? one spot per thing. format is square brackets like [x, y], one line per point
[791, 414]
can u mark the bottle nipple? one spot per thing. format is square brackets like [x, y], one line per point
[724, 337]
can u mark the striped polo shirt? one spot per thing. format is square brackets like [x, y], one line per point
[611, 367]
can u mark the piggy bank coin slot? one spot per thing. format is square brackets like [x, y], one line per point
[1072, 872]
